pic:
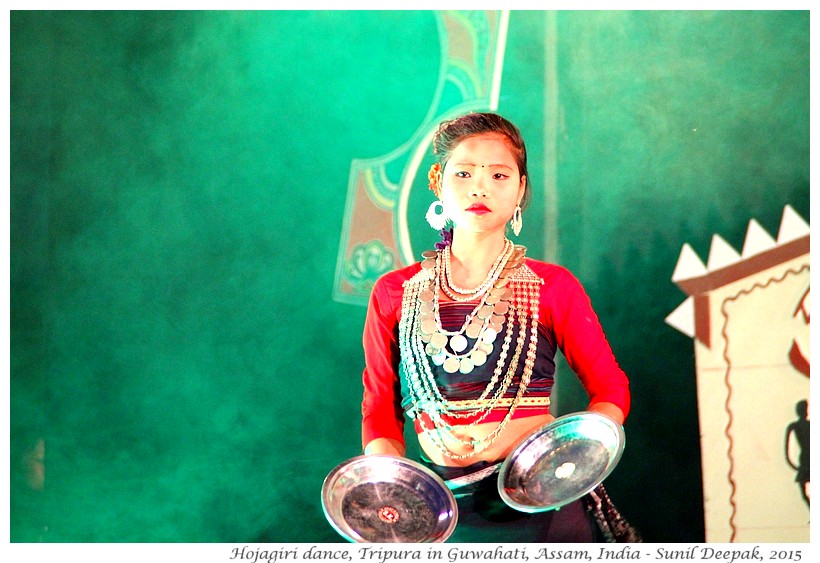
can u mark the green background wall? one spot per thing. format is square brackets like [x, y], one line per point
[178, 185]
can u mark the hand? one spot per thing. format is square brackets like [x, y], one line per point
[386, 446]
[609, 409]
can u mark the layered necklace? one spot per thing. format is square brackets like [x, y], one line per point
[507, 296]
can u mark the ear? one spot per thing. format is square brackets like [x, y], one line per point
[522, 187]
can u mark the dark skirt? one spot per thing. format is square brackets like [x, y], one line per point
[483, 517]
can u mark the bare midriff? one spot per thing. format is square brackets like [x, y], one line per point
[514, 432]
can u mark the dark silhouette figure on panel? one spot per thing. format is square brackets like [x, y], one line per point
[800, 429]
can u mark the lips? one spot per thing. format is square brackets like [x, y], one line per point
[478, 208]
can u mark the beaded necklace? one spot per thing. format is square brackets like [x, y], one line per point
[508, 295]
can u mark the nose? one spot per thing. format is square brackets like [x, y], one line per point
[479, 188]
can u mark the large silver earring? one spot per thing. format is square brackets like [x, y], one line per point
[516, 221]
[437, 219]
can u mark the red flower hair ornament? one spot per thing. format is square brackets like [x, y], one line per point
[434, 178]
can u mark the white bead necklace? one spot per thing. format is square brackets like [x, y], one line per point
[460, 294]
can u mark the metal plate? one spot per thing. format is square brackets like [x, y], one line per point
[388, 499]
[561, 462]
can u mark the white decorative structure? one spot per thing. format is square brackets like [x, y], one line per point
[749, 315]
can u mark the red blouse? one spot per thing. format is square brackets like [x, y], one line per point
[565, 312]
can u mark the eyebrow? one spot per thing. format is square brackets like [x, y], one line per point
[488, 166]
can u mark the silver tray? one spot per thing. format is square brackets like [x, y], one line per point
[561, 462]
[388, 499]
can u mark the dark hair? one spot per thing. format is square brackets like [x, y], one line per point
[451, 132]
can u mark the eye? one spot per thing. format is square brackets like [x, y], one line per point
[500, 176]
[462, 174]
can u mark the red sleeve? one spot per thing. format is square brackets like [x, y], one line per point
[579, 335]
[382, 415]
